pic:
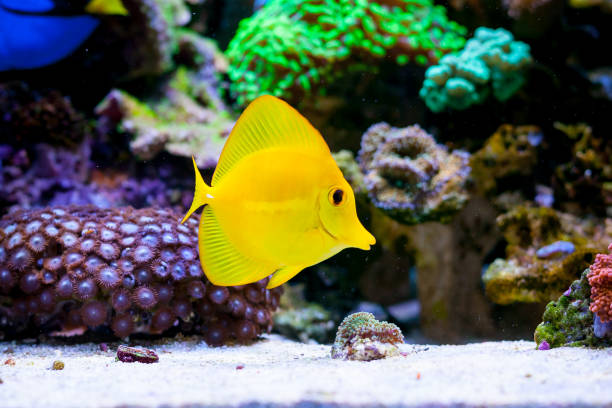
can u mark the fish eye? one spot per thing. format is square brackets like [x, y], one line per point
[336, 196]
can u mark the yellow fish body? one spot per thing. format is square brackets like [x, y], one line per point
[277, 202]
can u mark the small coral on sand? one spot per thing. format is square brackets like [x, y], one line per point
[410, 177]
[69, 268]
[545, 250]
[290, 47]
[569, 322]
[361, 337]
[491, 62]
[127, 354]
[600, 279]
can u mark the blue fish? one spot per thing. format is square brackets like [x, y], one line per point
[36, 33]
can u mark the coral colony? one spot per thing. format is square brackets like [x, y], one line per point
[135, 271]
[290, 47]
[361, 337]
[582, 315]
[411, 177]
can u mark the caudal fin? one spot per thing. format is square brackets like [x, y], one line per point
[201, 194]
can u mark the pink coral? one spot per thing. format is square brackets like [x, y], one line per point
[600, 279]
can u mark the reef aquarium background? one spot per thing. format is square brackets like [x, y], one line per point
[476, 136]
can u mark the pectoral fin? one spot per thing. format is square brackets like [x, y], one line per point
[283, 275]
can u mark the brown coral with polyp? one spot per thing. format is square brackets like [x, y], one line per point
[135, 271]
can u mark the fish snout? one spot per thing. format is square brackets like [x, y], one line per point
[361, 239]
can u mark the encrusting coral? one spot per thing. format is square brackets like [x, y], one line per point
[490, 62]
[510, 152]
[28, 178]
[185, 115]
[361, 337]
[569, 322]
[290, 47]
[137, 271]
[410, 177]
[587, 178]
[600, 279]
[546, 250]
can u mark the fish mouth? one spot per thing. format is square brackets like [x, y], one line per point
[366, 246]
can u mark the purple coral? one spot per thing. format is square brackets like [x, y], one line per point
[109, 275]
[411, 177]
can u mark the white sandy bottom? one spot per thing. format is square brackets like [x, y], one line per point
[284, 373]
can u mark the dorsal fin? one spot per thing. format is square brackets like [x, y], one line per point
[268, 122]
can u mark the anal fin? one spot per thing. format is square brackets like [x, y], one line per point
[283, 275]
[223, 264]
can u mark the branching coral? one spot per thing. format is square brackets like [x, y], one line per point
[491, 62]
[600, 279]
[132, 270]
[187, 116]
[411, 177]
[290, 47]
[546, 249]
[510, 152]
[361, 337]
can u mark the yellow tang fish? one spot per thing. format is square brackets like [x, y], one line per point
[277, 202]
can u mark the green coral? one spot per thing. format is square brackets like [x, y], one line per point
[290, 47]
[491, 62]
[361, 337]
[568, 321]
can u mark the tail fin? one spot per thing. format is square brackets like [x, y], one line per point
[201, 195]
[106, 7]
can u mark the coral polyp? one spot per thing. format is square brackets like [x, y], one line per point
[119, 273]
[361, 337]
[411, 177]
